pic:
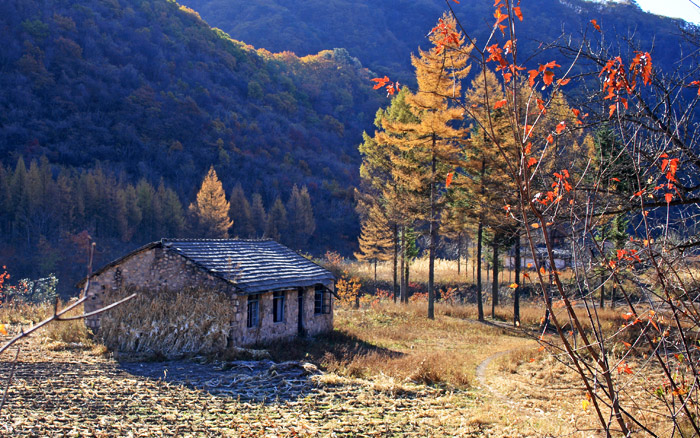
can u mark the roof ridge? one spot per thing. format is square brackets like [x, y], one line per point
[191, 239]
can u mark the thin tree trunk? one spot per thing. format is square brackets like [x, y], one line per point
[494, 285]
[602, 289]
[459, 253]
[479, 243]
[396, 255]
[433, 239]
[404, 283]
[375, 271]
[408, 269]
[516, 291]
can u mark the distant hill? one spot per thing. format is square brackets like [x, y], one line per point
[149, 90]
[383, 34]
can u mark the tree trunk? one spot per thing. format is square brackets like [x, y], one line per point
[433, 239]
[479, 303]
[404, 282]
[375, 271]
[459, 253]
[494, 285]
[396, 256]
[516, 291]
[407, 277]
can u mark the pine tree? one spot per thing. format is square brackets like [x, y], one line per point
[383, 162]
[434, 141]
[257, 212]
[276, 226]
[301, 217]
[241, 214]
[211, 208]
[376, 238]
[172, 217]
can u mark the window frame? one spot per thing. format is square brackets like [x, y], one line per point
[253, 311]
[278, 301]
[322, 301]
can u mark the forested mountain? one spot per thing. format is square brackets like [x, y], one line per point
[382, 34]
[146, 90]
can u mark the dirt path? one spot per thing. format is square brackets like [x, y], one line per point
[481, 373]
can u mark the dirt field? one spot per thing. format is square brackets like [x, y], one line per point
[80, 392]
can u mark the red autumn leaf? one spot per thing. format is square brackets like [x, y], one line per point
[575, 111]
[533, 74]
[500, 104]
[626, 316]
[560, 127]
[531, 162]
[550, 139]
[594, 22]
[456, 1]
[668, 197]
[528, 148]
[613, 107]
[518, 13]
[562, 82]
[548, 77]
[448, 181]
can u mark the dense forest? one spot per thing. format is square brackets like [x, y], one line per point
[146, 91]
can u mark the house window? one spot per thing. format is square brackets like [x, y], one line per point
[278, 306]
[322, 301]
[253, 310]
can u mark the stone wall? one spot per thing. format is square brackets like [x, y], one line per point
[268, 330]
[153, 268]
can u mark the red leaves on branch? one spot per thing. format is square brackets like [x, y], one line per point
[391, 87]
[531, 162]
[560, 127]
[547, 74]
[445, 35]
[594, 22]
[448, 180]
[617, 81]
[500, 104]
[550, 139]
[380, 82]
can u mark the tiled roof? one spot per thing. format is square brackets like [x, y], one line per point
[252, 265]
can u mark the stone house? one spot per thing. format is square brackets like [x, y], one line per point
[273, 292]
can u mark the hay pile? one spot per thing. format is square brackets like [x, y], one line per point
[168, 323]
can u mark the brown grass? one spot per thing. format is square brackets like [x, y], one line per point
[402, 343]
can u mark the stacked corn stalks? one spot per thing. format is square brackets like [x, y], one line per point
[169, 323]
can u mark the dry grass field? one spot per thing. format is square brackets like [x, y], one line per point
[385, 371]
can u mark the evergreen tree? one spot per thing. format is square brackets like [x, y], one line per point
[241, 214]
[172, 217]
[383, 163]
[276, 226]
[210, 210]
[376, 238]
[301, 217]
[259, 217]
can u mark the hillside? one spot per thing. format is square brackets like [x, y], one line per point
[383, 34]
[148, 90]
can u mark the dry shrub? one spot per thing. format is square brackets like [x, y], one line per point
[169, 323]
[18, 312]
[432, 368]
